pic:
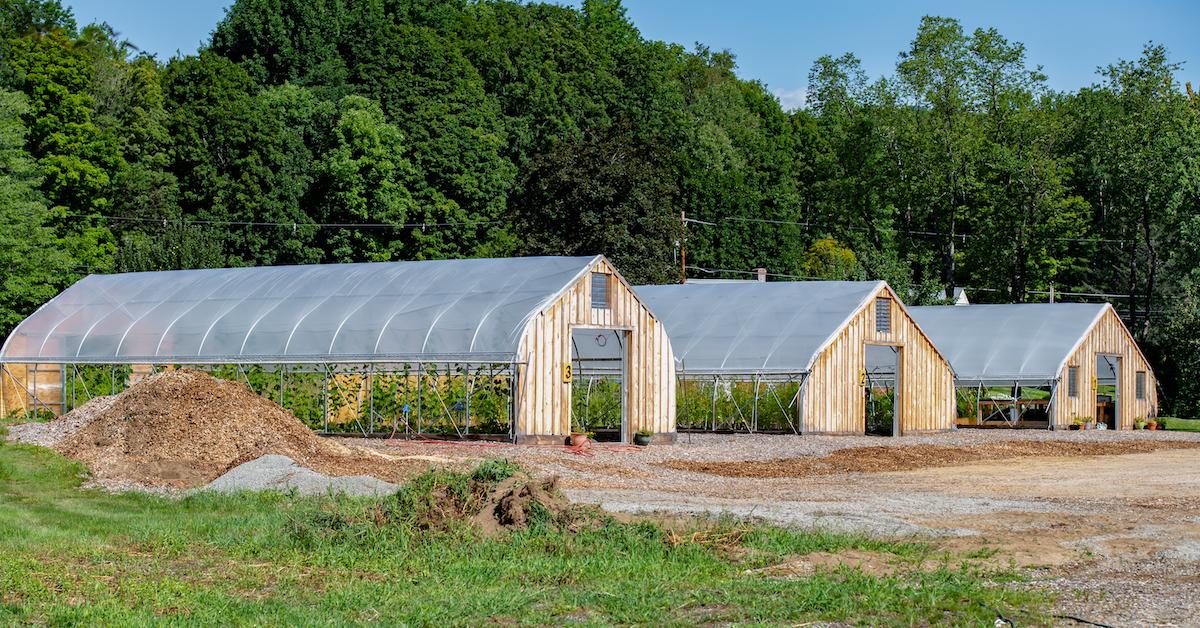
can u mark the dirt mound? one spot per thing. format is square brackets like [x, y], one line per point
[184, 428]
[497, 496]
[907, 458]
[518, 501]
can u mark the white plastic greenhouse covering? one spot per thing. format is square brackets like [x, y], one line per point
[1027, 343]
[752, 327]
[469, 310]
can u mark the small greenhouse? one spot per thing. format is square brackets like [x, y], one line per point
[832, 357]
[1042, 364]
[452, 346]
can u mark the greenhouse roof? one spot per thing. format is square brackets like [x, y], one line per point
[754, 327]
[451, 310]
[1025, 342]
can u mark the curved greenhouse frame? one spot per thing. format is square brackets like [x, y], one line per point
[434, 334]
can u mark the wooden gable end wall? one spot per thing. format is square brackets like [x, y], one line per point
[24, 387]
[833, 400]
[1108, 336]
[544, 399]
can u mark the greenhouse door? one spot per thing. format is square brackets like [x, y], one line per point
[1108, 390]
[598, 393]
[881, 396]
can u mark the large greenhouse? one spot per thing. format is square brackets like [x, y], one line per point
[1042, 364]
[500, 346]
[832, 357]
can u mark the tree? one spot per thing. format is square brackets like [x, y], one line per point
[23, 17]
[607, 195]
[76, 158]
[362, 179]
[241, 157]
[934, 71]
[32, 258]
[828, 259]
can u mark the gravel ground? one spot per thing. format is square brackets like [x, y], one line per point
[1116, 536]
[280, 473]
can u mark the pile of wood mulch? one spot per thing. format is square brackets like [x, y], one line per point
[907, 458]
[184, 428]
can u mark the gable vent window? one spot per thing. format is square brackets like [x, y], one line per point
[883, 315]
[1139, 385]
[1072, 381]
[601, 294]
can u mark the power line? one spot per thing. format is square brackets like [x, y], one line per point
[714, 271]
[958, 236]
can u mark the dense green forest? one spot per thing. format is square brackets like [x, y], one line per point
[331, 131]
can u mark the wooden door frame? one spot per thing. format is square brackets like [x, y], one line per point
[626, 436]
[1118, 390]
[897, 408]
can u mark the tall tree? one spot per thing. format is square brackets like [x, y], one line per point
[606, 194]
[34, 263]
[76, 157]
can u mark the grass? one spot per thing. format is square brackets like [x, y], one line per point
[76, 556]
[1180, 425]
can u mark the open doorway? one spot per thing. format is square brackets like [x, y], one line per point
[880, 390]
[1108, 390]
[598, 359]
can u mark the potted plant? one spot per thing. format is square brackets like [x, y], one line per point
[642, 437]
[1139, 423]
[1153, 423]
[1077, 423]
[579, 436]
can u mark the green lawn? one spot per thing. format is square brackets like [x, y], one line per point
[1181, 425]
[74, 556]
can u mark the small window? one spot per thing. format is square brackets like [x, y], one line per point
[1072, 381]
[1139, 385]
[600, 290]
[883, 315]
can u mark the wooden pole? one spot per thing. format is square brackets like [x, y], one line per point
[683, 247]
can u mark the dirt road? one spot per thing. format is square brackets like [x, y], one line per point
[1117, 535]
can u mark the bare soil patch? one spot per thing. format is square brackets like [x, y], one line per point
[513, 504]
[871, 563]
[884, 459]
[184, 428]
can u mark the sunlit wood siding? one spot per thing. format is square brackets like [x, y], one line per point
[26, 386]
[543, 402]
[833, 400]
[1108, 336]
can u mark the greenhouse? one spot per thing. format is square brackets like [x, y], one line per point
[1045, 365]
[840, 357]
[453, 346]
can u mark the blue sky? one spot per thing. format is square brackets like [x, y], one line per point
[776, 41]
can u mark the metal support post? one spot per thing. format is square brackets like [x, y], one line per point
[325, 398]
[371, 400]
[467, 404]
[714, 404]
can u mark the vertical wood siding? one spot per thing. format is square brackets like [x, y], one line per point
[17, 381]
[1108, 336]
[544, 400]
[833, 398]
